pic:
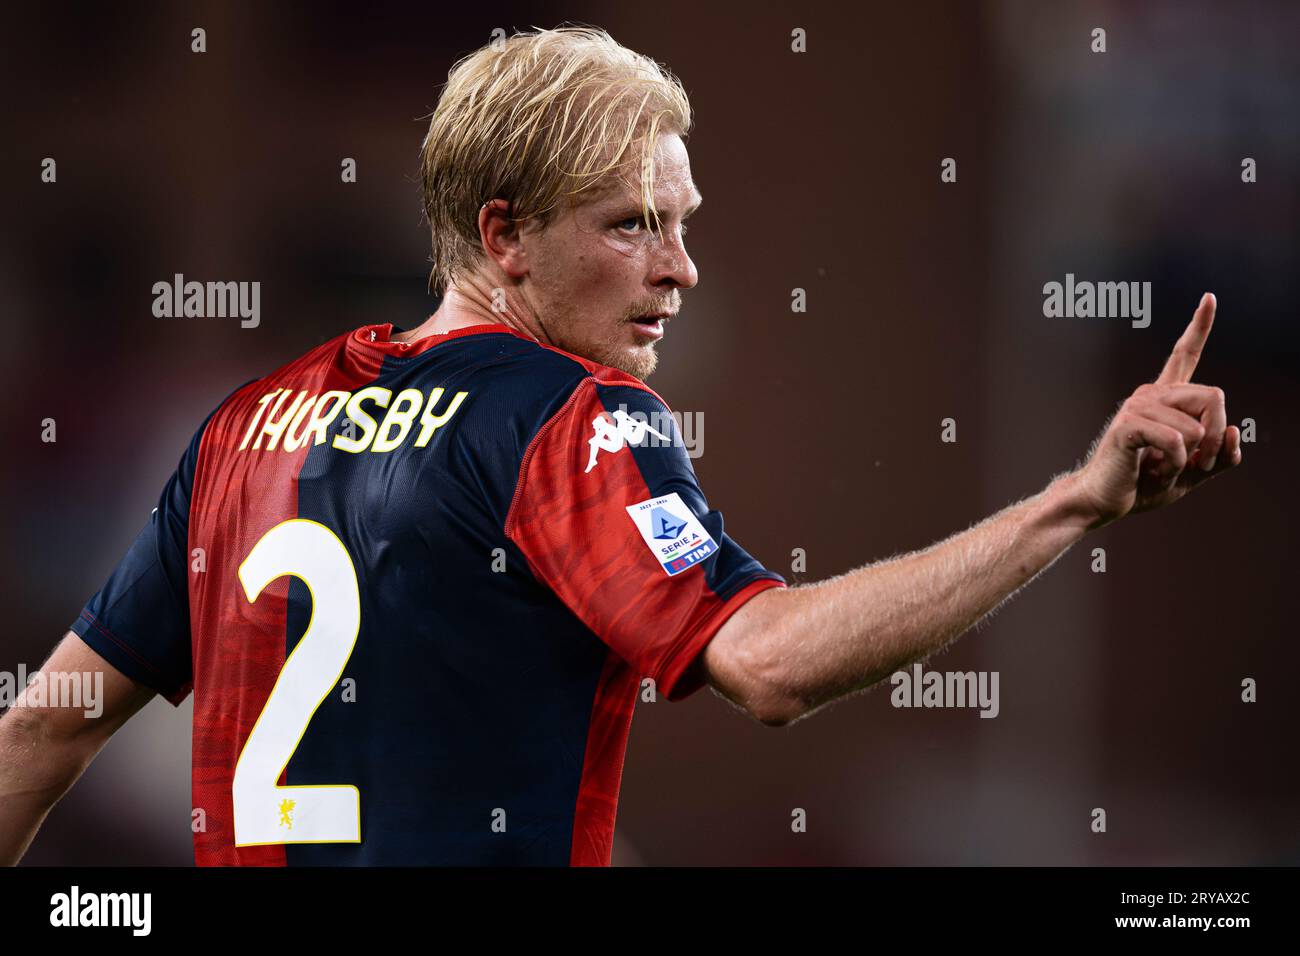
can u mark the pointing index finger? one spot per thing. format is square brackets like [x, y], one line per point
[1187, 350]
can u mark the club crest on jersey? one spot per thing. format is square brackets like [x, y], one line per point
[613, 434]
[672, 533]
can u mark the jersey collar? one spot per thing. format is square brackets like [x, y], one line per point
[378, 338]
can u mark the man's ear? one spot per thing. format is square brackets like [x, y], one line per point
[502, 237]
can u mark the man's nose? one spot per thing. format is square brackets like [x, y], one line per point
[674, 264]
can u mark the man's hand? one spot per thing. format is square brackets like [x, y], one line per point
[1168, 437]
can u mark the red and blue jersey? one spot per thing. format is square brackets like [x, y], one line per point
[416, 590]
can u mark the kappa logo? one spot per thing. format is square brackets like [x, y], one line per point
[611, 435]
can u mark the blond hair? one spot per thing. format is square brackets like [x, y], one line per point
[534, 118]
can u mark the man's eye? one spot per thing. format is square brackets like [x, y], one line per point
[637, 222]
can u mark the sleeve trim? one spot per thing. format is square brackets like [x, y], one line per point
[147, 674]
[673, 670]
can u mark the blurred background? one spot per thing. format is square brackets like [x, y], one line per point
[821, 170]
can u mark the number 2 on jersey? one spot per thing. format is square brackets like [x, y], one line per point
[264, 811]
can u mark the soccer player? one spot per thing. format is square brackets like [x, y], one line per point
[416, 578]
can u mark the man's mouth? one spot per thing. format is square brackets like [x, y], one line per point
[652, 325]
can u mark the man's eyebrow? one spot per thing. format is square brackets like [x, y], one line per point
[633, 204]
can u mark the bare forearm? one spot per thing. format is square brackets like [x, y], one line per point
[45, 748]
[817, 642]
[34, 773]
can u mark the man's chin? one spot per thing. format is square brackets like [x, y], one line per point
[637, 358]
[639, 361]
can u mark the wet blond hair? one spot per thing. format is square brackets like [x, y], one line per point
[535, 118]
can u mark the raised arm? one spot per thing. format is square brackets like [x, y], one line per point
[787, 652]
[44, 749]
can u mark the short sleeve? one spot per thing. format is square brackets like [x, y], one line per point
[610, 516]
[139, 621]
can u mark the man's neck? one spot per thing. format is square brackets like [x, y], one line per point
[461, 308]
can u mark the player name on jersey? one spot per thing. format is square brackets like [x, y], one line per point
[287, 420]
